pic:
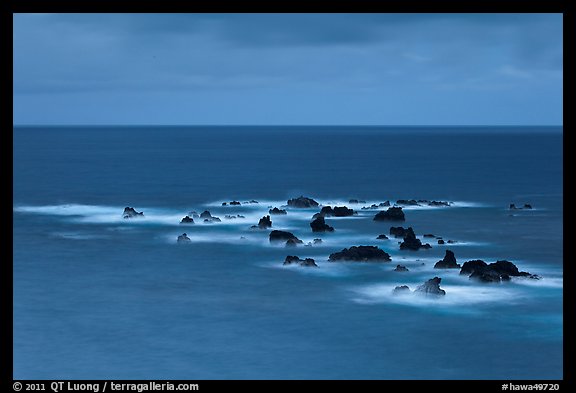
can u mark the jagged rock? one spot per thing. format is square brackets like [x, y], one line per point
[361, 254]
[206, 214]
[382, 237]
[319, 225]
[494, 272]
[401, 268]
[398, 232]
[384, 204]
[282, 236]
[183, 238]
[265, 222]
[277, 211]
[292, 259]
[411, 242]
[431, 287]
[187, 220]
[449, 262]
[470, 267]
[392, 214]
[129, 212]
[438, 203]
[401, 289]
[302, 202]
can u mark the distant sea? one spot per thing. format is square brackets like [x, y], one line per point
[97, 296]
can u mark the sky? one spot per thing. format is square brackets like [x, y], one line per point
[288, 69]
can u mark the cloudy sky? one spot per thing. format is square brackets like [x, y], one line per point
[288, 69]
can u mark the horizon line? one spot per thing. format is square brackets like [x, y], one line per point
[294, 125]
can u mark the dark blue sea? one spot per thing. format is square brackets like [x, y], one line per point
[97, 296]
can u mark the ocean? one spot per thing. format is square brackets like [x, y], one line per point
[97, 296]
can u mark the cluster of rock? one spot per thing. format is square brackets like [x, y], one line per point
[236, 203]
[277, 211]
[308, 262]
[494, 272]
[422, 202]
[355, 201]
[376, 206]
[209, 218]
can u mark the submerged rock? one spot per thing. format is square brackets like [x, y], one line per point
[183, 238]
[277, 211]
[392, 214]
[302, 202]
[355, 201]
[283, 236]
[401, 289]
[292, 259]
[361, 254]
[431, 288]
[130, 212]
[317, 241]
[319, 225]
[401, 268]
[449, 262]
[187, 220]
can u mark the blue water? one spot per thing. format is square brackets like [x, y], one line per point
[97, 296]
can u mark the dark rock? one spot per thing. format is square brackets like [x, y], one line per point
[253, 201]
[337, 211]
[401, 268]
[527, 206]
[411, 242]
[234, 203]
[302, 202]
[291, 259]
[353, 201]
[317, 241]
[470, 267]
[401, 289]
[451, 241]
[392, 214]
[277, 211]
[129, 212]
[431, 287]
[440, 241]
[183, 238]
[224, 203]
[429, 235]
[384, 204]
[407, 202]
[494, 272]
[361, 254]
[513, 207]
[212, 219]
[205, 214]
[319, 225]
[449, 262]
[398, 232]
[382, 237]
[282, 236]
[265, 222]
[187, 220]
